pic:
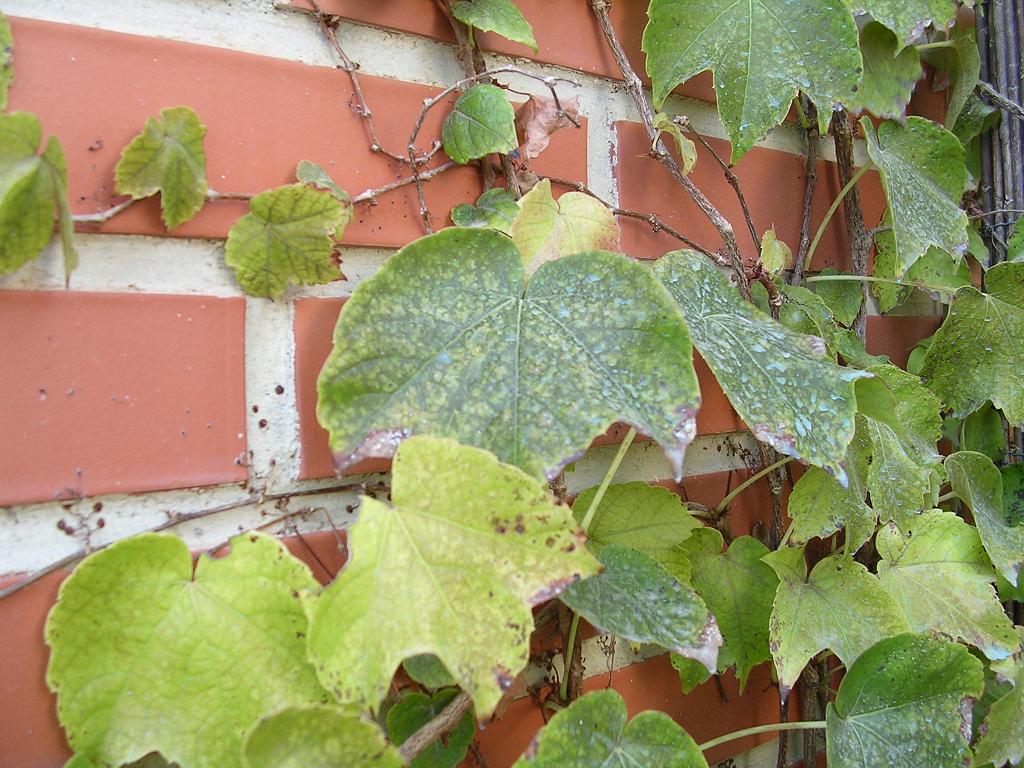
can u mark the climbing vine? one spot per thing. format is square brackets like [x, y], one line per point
[485, 357]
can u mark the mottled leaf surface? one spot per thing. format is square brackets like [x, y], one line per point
[546, 229]
[905, 703]
[481, 123]
[167, 157]
[447, 338]
[907, 18]
[633, 597]
[922, 169]
[840, 606]
[961, 61]
[976, 480]
[452, 568]
[1003, 737]
[890, 73]
[285, 239]
[595, 732]
[500, 16]
[842, 297]
[738, 589]
[6, 60]
[147, 657]
[781, 382]
[978, 353]
[899, 484]
[321, 736]
[940, 577]
[936, 268]
[761, 54]
[645, 517]
[495, 208]
[415, 710]
[983, 432]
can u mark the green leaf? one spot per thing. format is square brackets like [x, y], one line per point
[939, 575]
[644, 517]
[691, 672]
[427, 670]
[907, 18]
[841, 606]
[976, 480]
[852, 350]
[57, 165]
[593, 732]
[775, 255]
[806, 312]
[842, 297]
[761, 55]
[6, 60]
[890, 73]
[167, 157]
[687, 149]
[983, 432]
[482, 122]
[495, 208]
[900, 484]
[321, 736]
[500, 16]
[446, 338]
[1015, 243]
[145, 656]
[781, 383]
[1002, 738]
[1013, 492]
[922, 169]
[670, 613]
[451, 569]
[738, 589]
[905, 703]
[546, 229]
[32, 187]
[310, 173]
[415, 710]
[285, 238]
[917, 411]
[962, 62]
[978, 353]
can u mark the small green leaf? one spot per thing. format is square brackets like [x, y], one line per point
[500, 16]
[691, 672]
[917, 411]
[1015, 243]
[738, 589]
[413, 711]
[1013, 492]
[851, 350]
[482, 122]
[546, 229]
[495, 208]
[905, 703]
[320, 736]
[890, 73]
[805, 312]
[978, 353]
[775, 255]
[901, 484]
[781, 383]
[6, 60]
[134, 637]
[761, 54]
[983, 432]
[285, 238]
[841, 606]
[57, 165]
[427, 670]
[310, 173]
[939, 575]
[1003, 737]
[687, 149]
[167, 157]
[593, 732]
[644, 517]
[481, 370]
[923, 173]
[961, 61]
[670, 614]
[976, 480]
[451, 569]
[907, 18]
[842, 297]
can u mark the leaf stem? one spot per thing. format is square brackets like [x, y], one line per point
[608, 477]
[946, 497]
[570, 647]
[873, 279]
[832, 210]
[807, 725]
[936, 44]
[724, 503]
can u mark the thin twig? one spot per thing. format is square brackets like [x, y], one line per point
[104, 216]
[810, 182]
[995, 212]
[370, 195]
[445, 721]
[1001, 101]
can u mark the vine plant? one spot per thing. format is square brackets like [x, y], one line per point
[486, 356]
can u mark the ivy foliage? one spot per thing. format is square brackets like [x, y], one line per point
[499, 16]
[481, 123]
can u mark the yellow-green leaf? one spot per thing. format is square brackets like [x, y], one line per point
[499, 16]
[775, 254]
[687, 149]
[481, 123]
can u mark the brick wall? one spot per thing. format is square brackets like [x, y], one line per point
[152, 387]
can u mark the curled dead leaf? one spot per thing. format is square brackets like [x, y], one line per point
[539, 117]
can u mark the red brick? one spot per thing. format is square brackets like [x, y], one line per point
[91, 87]
[896, 336]
[114, 393]
[772, 182]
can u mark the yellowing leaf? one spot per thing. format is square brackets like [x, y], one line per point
[775, 254]
[481, 123]
[687, 149]
[541, 116]
[167, 157]
[451, 569]
[1003, 738]
[546, 229]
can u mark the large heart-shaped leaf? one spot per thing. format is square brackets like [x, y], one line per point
[939, 576]
[167, 157]
[924, 176]
[285, 238]
[840, 606]
[147, 657]
[738, 589]
[905, 703]
[499, 16]
[481, 123]
[635, 598]
[451, 569]
[320, 736]
[761, 53]
[595, 732]
[978, 353]
[447, 338]
[790, 393]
